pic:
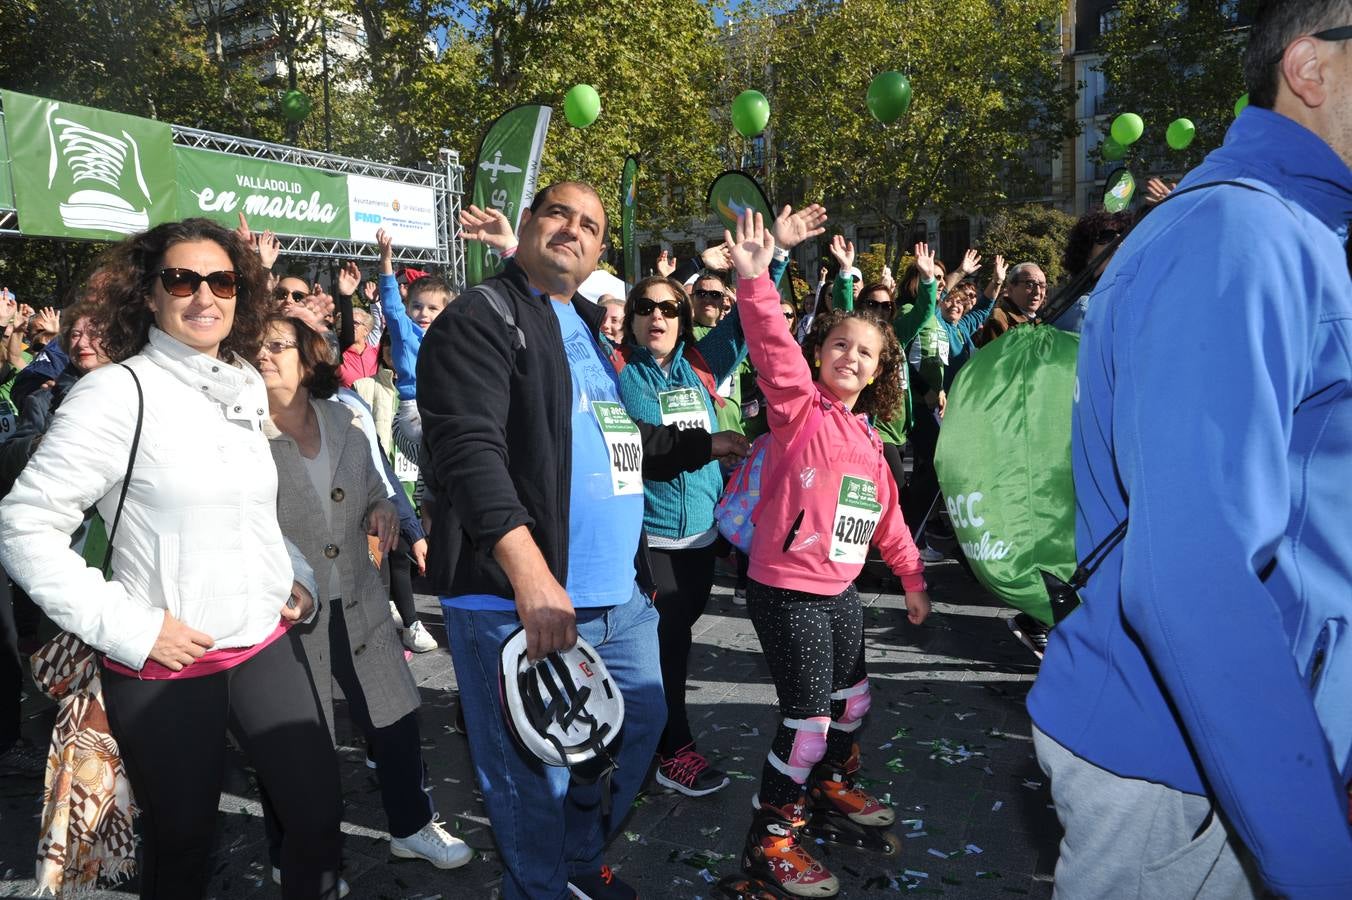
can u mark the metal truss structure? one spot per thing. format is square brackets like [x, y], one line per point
[445, 178]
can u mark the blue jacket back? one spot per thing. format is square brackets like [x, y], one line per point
[1213, 408]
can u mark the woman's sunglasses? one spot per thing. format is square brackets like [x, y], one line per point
[644, 307]
[184, 282]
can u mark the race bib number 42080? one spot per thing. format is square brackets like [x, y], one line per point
[624, 444]
[857, 514]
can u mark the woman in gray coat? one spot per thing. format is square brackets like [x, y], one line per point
[329, 500]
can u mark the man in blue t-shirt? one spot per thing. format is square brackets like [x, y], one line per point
[539, 525]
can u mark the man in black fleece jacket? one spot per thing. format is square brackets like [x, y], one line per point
[540, 527]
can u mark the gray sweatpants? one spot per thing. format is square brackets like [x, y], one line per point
[1128, 839]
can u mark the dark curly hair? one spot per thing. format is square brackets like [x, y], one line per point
[687, 318]
[1082, 234]
[881, 400]
[129, 270]
[318, 375]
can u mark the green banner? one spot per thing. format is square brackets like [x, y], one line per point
[6, 186]
[508, 165]
[628, 210]
[85, 173]
[733, 192]
[279, 196]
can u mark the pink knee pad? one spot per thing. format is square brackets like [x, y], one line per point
[809, 747]
[857, 699]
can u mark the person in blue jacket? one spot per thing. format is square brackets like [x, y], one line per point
[1195, 714]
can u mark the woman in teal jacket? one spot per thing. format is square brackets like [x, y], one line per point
[667, 377]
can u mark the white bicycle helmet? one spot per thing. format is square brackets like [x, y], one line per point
[565, 709]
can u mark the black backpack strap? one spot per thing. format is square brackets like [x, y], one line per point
[131, 462]
[503, 307]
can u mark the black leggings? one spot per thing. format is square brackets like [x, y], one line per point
[684, 578]
[917, 498]
[815, 648]
[401, 582]
[171, 734]
[396, 750]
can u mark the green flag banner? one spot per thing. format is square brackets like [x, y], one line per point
[85, 173]
[506, 171]
[281, 197]
[6, 186]
[628, 210]
[733, 192]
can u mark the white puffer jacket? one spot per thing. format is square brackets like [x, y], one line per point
[199, 534]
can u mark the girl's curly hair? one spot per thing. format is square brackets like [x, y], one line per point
[881, 400]
[128, 271]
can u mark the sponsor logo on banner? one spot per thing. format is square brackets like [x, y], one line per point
[406, 211]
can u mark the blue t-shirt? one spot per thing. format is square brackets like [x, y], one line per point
[603, 527]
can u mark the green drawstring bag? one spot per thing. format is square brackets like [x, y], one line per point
[1003, 462]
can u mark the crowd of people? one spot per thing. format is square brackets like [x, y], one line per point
[219, 480]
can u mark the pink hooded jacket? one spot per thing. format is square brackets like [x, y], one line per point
[801, 554]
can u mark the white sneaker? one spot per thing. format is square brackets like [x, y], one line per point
[739, 597]
[417, 638]
[394, 614]
[929, 554]
[343, 888]
[433, 843]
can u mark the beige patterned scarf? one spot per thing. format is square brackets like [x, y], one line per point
[87, 806]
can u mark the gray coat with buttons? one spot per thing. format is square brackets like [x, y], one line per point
[377, 654]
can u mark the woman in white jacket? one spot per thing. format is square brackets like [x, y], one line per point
[193, 627]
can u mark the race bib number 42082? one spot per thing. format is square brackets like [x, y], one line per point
[624, 444]
[857, 514]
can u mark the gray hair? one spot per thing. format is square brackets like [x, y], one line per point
[362, 317]
[1019, 269]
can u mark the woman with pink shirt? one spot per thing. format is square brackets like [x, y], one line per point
[810, 543]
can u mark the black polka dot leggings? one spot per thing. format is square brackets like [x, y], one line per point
[815, 648]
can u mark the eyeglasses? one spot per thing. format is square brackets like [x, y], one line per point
[1341, 33]
[1035, 285]
[77, 336]
[790, 314]
[297, 296]
[275, 347]
[644, 307]
[184, 282]
[877, 304]
[1107, 236]
[708, 296]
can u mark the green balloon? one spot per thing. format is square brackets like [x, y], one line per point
[889, 96]
[1242, 102]
[295, 105]
[750, 113]
[581, 105]
[1127, 129]
[1180, 133]
[1112, 150]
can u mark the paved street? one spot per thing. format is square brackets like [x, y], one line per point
[948, 740]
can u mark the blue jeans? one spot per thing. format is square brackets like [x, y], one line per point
[526, 799]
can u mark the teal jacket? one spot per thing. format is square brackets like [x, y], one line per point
[683, 506]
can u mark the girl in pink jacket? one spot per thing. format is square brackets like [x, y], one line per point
[810, 542]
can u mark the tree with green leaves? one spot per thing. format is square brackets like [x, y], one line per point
[1029, 233]
[989, 101]
[1165, 60]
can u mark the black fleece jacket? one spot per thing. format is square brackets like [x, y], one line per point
[497, 435]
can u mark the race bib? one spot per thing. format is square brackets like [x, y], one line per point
[625, 446]
[405, 469]
[857, 514]
[684, 408]
[7, 425]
